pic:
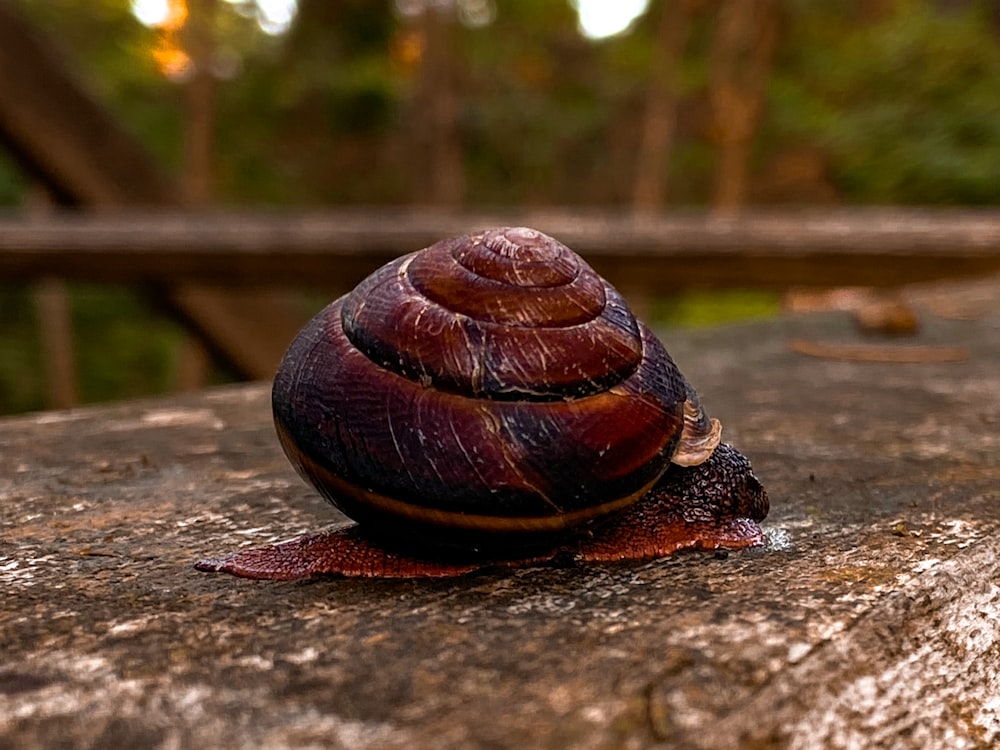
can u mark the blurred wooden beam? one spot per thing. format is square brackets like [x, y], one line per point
[69, 141]
[662, 253]
[54, 127]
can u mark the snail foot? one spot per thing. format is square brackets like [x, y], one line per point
[346, 552]
[632, 540]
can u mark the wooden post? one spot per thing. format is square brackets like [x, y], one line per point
[52, 306]
[55, 321]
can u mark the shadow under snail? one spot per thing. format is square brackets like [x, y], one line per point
[491, 401]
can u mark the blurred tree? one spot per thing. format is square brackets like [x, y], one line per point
[200, 102]
[531, 106]
[110, 49]
[326, 98]
[746, 35]
[906, 101]
[437, 170]
[893, 100]
[660, 118]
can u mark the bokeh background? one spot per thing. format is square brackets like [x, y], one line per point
[638, 105]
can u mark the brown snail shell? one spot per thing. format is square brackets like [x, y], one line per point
[490, 392]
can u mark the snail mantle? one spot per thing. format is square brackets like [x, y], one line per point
[491, 401]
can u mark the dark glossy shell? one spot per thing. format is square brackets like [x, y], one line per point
[488, 384]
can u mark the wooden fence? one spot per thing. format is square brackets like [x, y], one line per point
[649, 255]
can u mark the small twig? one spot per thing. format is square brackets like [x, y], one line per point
[893, 354]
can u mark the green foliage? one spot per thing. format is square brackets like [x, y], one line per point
[12, 182]
[906, 105]
[900, 96]
[700, 309]
[20, 356]
[122, 347]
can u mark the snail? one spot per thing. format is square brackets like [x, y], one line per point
[491, 401]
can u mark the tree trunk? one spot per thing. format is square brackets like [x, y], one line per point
[659, 124]
[742, 52]
[442, 181]
[193, 359]
[200, 103]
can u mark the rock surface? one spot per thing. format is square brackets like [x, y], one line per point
[871, 619]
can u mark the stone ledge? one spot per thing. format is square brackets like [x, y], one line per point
[869, 621]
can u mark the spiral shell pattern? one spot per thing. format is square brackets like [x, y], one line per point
[488, 384]
[508, 314]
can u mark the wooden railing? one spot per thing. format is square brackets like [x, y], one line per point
[654, 255]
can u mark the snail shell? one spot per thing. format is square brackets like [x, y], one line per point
[488, 385]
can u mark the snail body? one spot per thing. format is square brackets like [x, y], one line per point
[492, 400]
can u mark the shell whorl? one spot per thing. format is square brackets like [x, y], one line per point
[503, 314]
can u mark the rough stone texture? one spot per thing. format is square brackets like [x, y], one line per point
[870, 620]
